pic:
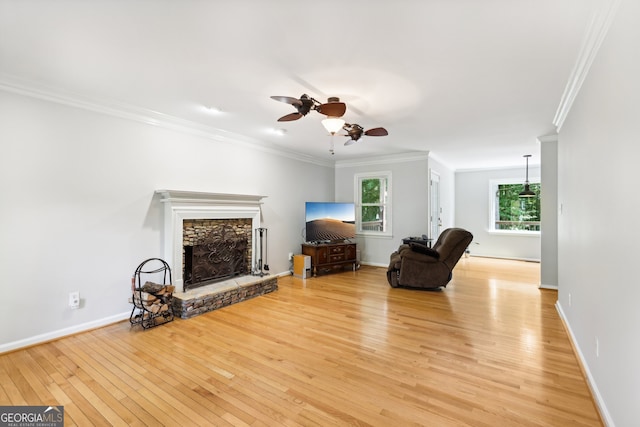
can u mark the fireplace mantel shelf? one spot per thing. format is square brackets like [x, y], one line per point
[180, 196]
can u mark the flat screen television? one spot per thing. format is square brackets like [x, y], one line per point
[329, 221]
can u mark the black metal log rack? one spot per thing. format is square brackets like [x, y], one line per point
[152, 300]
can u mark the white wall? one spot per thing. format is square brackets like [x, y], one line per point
[549, 212]
[473, 209]
[78, 212]
[410, 180]
[598, 152]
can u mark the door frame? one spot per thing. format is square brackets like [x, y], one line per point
[435, 205]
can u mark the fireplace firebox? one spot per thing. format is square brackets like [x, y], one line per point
[215, 250]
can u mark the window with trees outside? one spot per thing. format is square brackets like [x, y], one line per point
[373, 203]
[512, 213]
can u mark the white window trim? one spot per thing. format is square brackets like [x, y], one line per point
[517, 233]
[388, 206]
[493, 187]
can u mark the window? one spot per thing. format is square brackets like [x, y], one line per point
[512, 213]
[373, 203]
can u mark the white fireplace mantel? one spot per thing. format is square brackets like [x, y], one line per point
[181, 205]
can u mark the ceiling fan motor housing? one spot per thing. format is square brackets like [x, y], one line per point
[305, 105]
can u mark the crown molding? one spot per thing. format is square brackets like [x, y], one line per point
[592, 40]
[548, 138]
[383, 160]
[496, 168]
[142, 115]
[442, 162]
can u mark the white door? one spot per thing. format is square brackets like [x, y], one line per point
[435, 215]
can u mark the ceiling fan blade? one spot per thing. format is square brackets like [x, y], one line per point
[349, 142]
[290, 117]
[288, 100]
[377, 132]
[333, 109]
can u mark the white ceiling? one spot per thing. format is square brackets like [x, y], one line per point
[472, 81]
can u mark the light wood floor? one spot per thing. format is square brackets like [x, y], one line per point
[343, 349]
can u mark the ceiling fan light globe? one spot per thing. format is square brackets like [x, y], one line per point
[333, 124]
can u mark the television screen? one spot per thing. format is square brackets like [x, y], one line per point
[330, 221]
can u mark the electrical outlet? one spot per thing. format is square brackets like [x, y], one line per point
[569, 299]
[74, 299]
[290, 256]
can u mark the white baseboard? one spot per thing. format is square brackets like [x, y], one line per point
[375, 264]
[49, 336]
[602, 408]
[285, 273]
[552, 287]
[506, 257]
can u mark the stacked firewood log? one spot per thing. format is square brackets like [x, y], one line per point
[153, 298]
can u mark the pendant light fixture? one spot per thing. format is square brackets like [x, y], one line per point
[527, 192]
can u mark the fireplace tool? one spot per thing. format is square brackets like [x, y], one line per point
[261, 268]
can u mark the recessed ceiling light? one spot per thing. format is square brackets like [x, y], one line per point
[278, 131]
[212, 110]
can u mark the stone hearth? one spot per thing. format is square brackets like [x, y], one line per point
[221, 294]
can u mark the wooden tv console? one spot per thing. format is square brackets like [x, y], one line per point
[327, 256]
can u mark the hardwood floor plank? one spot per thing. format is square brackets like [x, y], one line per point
[209, 412]
[4, 397]
[10, 390]
[334, 350]
[91, 381]
[144, 410]
[300, 375]
[258, 396]
[162, 389]
[81, 411]
[22, 390]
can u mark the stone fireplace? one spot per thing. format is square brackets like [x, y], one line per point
[207, 241]
[186, 206]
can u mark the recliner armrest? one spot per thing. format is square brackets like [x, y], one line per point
[423, 249]
[417, 256]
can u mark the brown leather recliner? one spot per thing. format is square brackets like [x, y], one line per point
[418, 266]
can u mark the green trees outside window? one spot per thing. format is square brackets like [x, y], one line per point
[372, 210]
[514, 212]
[373, 199]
